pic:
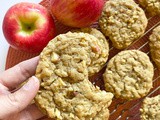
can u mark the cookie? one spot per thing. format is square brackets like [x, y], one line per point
[103, 41]
[97, 34]
[123, 21]
[152, 6]
[129, 75]
[63, 70]
[155, 45]
[150, 109]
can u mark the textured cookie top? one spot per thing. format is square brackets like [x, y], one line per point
[98, 35]
[129, 75]
[101, 38]
[123, 21]
[150, 109]
[82, 48]
[155, 45]
[64, 68]
[152, 6]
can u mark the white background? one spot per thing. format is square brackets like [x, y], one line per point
[5, 5]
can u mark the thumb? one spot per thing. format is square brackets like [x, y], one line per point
[17, 101]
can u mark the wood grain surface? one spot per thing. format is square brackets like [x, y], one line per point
[119, 109]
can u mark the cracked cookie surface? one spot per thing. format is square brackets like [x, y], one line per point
[129, 75]
[123, 21]
[152, 6]
[155, 45]
[63, 70]
[150, 109]
[101, 38]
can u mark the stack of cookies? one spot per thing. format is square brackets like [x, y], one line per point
[70, 59]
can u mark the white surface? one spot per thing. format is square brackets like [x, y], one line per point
[5, 5]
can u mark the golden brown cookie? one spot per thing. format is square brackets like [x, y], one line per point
[155, 45]
[129, 75]
[65, 91]
[152, 6]
[101, 38]
[123, 21]
[150, 109]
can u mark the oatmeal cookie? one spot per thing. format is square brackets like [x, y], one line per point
[152, 6]
[103, 41]
[123, 21]
[63, 70]
[150, 109]
[155, 45]
[129, 75]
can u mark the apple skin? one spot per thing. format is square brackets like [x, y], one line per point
[76, 13]
[28, 27]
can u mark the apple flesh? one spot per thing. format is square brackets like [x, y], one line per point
[76, 13]
[28, 27]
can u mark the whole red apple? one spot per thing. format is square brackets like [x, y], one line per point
[76, 13]
[28, 26]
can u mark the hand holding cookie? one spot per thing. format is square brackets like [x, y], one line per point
[15, 105]
[65, 66]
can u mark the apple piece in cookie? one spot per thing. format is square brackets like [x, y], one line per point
[28, 27]
[76, 13]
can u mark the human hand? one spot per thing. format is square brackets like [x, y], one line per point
[17, 105]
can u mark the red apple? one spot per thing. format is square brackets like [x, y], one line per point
[76, 13]
[28, 27]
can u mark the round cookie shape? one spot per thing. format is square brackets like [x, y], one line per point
[155, 45]
[123, 21]
[150, 109]
[129, 75]
[98, 35]
[152, 6]
[65, 90]
[101, 38]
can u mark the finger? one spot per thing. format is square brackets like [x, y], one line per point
[31, 113]
[19, 73]
[3, 90]
[16, 102]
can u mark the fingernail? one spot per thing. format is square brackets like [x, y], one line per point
[33, 81]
